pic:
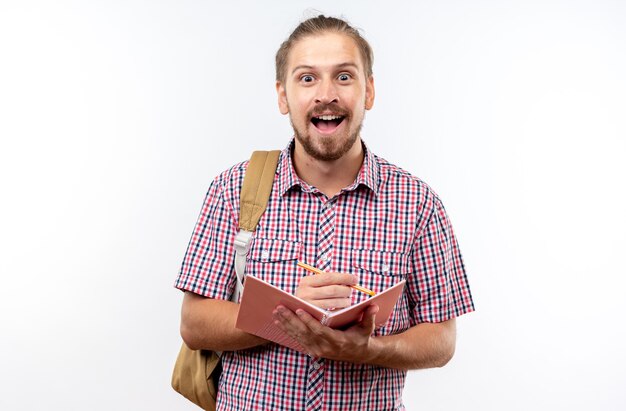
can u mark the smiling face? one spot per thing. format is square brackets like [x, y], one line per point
[325, 93]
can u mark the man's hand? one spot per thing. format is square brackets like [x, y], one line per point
[424, 345]
[352, 345]
[328, 290]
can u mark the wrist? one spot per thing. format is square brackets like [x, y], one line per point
[374, 350]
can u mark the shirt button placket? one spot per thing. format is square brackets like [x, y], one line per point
[324, 246]
[326, 236]
[315, 385]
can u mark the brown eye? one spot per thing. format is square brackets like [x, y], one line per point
[344, 77]
[307, 79]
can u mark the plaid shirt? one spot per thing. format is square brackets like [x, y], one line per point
[385, 227]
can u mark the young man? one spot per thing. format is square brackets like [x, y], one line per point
[337, 206]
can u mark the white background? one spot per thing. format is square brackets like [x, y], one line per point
[116, 115]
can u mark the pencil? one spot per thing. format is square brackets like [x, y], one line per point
[318, 271]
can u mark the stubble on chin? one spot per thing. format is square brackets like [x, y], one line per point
[327, 148]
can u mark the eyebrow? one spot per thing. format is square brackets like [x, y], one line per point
[307, 67]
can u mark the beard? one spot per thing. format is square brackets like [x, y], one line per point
[326, 148]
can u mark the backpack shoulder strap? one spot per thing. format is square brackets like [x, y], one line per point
[256, 189]
[255, 192]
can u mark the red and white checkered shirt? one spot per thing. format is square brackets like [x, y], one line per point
[386, 227]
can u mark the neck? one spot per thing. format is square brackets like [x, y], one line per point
[329, 176]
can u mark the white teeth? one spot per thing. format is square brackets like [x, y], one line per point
[328, 118]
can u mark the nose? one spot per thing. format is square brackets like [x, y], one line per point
[326, 93]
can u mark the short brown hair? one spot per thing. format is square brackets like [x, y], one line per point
[319, 25]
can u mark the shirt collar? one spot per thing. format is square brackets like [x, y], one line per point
[368, 174]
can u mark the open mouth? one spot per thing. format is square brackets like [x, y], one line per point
[327, 123]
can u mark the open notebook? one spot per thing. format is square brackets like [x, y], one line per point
[259, 299]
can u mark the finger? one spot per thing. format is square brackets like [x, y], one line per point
[333, 291]
[303, 328]
[331, 303]
[287, 317]
[368, 322]
[320, 280]
[327, 291]
[313, 325]
[287, 321]
[299, 323]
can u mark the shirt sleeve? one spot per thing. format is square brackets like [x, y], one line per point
[208, 266]
[439, 288]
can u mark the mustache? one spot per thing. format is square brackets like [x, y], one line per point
[320, 109]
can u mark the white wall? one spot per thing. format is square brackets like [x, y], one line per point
[115, 116]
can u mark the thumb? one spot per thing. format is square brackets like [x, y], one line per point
[369, 318]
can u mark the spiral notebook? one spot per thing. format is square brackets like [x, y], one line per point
[259, 299]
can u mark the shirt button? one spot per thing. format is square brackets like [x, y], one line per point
[316, 365]
[385, 268]
[325, 257]
[265, 254]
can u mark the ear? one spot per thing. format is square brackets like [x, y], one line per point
[369, 93]
[282, 98]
